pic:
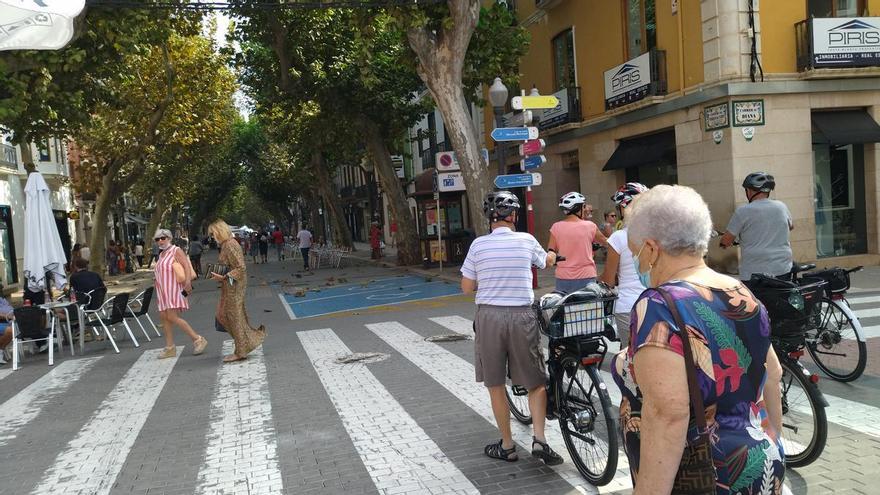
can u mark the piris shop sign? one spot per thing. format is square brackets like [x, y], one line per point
[628, 82]
[846, 42]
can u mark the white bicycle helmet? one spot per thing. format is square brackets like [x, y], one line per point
[571, 201]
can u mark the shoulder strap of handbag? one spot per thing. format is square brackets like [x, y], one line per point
[689, 365]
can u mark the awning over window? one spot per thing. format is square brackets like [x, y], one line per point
[132, 218]
[845, 127]
[647, 151]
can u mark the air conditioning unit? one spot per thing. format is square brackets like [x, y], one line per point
[397, 161]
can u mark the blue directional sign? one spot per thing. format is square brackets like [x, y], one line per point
[517, 180]
[515, 133]
[532, 162]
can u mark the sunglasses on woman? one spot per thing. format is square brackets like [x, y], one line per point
[160, 238]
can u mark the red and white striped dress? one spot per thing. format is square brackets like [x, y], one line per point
[167, 287]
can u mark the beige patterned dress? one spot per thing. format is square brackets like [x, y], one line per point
[231, 312]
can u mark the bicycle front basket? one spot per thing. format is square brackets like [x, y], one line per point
[583, 319]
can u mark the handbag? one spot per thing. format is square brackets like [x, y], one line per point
[696, 474]
[219, 326]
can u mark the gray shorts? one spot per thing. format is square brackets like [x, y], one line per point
[508, 339]
[622, 320]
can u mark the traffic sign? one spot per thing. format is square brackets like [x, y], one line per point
[517, 180]
[536, 102]
[514, 133]
[532, 147]
[532, 162]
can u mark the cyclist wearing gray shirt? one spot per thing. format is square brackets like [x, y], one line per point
[763, 227]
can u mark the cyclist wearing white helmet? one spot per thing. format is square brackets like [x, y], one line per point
[498, 267]
[762, 226]
[620, 270]
[574, 237]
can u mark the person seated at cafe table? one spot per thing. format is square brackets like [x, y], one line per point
[84, 280]
[5, 328]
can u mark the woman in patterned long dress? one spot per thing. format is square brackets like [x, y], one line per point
[169, 292]
[231, 313]
[737, 370]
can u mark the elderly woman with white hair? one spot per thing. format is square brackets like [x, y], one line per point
[174, 276]
[695, 326]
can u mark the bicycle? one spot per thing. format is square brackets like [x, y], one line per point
[793, 307]
[576, 394]
[839, 335]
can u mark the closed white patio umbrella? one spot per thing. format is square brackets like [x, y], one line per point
[43, 252]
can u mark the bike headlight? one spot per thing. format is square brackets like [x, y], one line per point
[796, 300]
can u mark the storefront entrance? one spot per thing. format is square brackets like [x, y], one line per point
[839, 200]
[8, 262]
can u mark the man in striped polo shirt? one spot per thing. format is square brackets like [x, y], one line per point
[498, 267]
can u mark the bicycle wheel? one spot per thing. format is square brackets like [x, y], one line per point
[834, 346]
[518, 400]
[804, 426]
[587, 420]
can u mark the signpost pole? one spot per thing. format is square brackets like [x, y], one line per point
[499, 146]
[440, 234]
[530, 219]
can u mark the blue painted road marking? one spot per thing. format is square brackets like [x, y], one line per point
[379, 292]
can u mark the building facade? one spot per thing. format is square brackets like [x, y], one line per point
[50, 157]
[701, 94]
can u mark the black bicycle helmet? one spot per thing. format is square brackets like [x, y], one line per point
[500, 204]
[625, 193]
[760, 181]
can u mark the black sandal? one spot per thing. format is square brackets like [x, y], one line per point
[545, 453]
[497, 451]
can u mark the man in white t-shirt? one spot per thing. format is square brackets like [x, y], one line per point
[305, 243]
[620, 270]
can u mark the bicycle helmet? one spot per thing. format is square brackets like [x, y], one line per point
[760, 181]
[499, 205]
[571, 202]
[625, 193]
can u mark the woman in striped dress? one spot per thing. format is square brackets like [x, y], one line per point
[172, 294]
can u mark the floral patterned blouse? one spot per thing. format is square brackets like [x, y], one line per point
[730, 335]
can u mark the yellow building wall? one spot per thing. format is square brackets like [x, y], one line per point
[600, 44]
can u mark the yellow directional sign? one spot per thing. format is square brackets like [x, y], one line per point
[533, 102]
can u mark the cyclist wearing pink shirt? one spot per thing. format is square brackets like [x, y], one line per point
[574, 237]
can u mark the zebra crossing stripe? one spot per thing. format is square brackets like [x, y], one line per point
[27, 404]
[400, 456]
[455, 323]
[4, 373]
[241, 455]
[93, 459]
[457, 376]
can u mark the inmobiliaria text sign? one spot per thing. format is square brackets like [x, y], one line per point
[846, 42]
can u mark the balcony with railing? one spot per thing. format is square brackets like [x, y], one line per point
[837, 43]
[8, 156]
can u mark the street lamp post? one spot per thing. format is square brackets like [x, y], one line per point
[498, 97]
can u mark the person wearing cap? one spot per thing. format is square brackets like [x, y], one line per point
[574, 237]
[498, 267]
[174, 276]
[763, 226]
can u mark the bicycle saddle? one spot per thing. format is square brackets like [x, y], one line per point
[798, 268]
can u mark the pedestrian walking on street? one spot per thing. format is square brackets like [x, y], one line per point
[498, 267]
[154, 254]
[375, 241]
[574, 237]
[278, 241]
[264, 247]
[305, 244]
[252, 246]
[112, 258]
[174, 276]
[195, 255]
[694, 325]
[231, 312]
[139, 252]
